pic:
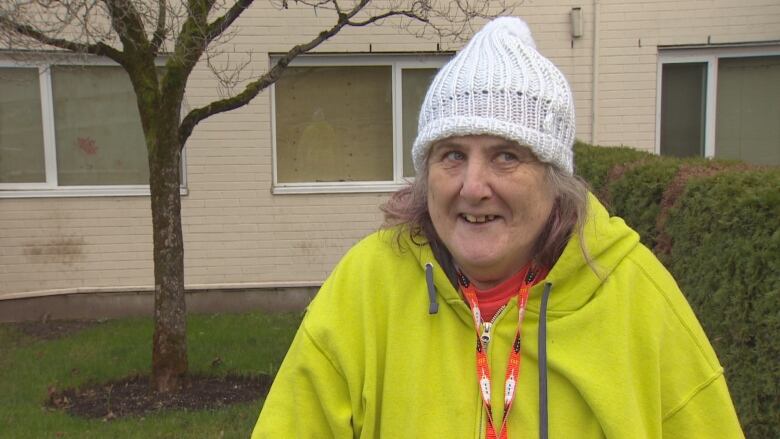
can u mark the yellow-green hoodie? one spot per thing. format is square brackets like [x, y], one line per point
[626, 358]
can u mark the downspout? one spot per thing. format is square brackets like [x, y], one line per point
[594, 110]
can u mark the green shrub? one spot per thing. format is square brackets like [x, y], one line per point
[716, 226]
[594, 163]
[725, 231]
[630, 183]
[637, 194]
[642, 192]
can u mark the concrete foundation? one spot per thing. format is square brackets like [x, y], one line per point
[126, 304]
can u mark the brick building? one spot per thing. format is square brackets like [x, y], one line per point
[275, 192]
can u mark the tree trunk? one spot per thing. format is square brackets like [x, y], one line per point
[169, 348]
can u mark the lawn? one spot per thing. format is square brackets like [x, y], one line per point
[29, 367]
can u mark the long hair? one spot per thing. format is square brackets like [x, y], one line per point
[408, 208]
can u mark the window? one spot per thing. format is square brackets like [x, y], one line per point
[347, 124]
[720, 102]
[21, 121]
[69, 130]
[748, 117]
[683, 109]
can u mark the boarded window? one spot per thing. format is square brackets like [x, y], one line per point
[21, 127]
[97, 127]
[334, 124]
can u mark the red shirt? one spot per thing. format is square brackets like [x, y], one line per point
[492, 299]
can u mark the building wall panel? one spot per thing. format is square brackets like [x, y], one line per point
[237, 232]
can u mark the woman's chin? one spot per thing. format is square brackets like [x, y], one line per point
[480, 267]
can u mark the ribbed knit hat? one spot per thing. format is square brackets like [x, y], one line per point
[500, 85]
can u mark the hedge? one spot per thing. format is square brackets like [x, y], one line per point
[716, 227]
[594, 165]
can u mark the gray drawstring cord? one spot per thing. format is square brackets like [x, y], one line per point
[543, 362]
[433, 306]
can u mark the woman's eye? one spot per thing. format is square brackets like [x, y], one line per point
[507, 157]
[454, 155]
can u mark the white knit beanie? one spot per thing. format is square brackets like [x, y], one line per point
[500, 85]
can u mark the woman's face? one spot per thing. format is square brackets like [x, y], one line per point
[488, 201]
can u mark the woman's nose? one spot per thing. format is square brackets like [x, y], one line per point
[476, 184]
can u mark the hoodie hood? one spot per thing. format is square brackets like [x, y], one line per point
[608, 241]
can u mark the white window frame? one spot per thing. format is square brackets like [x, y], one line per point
[51, 188]
[710, 57]
[397, 63]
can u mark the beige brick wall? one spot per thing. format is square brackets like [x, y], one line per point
[630, 32]
[237, 232]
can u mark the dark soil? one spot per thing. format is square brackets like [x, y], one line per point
[132, 396]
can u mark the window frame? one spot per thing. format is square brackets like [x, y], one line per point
[50, 188]
[709, 56]
[397, 62]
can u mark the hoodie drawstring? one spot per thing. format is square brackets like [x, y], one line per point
[433, 306]
[543, 362]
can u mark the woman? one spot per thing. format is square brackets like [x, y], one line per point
[501, 300]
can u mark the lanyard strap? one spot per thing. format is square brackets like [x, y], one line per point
[483, 338]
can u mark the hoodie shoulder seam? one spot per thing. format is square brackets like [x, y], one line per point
[320, 349]
[696, 391]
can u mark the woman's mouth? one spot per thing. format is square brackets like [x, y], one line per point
[477, 219]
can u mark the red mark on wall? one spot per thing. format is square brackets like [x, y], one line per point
[87, 145]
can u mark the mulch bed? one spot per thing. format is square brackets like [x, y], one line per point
[132, 396]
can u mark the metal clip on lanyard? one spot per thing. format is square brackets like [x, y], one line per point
[483, 338]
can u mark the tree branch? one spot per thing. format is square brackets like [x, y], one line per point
[99, 48]
[376, 18]
[358, 7]
[254, 88]
[159, 33]
[189, 47]
[418, 12]
[191, 42]
[218, 26]
[128, 25]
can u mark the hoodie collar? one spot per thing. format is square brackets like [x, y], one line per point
[608, 241]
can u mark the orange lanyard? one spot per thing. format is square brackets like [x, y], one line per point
[483, 338]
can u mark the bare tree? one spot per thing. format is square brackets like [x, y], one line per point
[133, 33]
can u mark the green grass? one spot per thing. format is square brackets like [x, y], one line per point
[246, 344]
